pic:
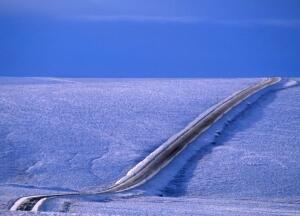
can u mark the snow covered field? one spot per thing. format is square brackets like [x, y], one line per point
[83, 134]
[255, 156]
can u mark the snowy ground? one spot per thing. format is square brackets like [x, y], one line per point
[255, 156]
[83, 134]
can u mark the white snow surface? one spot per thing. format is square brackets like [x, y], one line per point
[83, 134]
[255, 156]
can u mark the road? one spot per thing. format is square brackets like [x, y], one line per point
[163, 155]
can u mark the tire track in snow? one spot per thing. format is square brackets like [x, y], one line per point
[164, 154]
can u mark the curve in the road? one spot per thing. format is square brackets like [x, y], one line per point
[163, 155]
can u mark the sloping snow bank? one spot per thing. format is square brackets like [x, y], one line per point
[160, 181]
[61, 135]
[255, 156]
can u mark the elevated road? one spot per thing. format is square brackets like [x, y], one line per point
[163, 155]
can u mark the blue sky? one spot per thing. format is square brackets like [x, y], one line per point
[157, 38]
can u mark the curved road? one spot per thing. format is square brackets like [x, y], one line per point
[163, 155]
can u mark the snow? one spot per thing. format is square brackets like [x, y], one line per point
[63, 135]
[255, 156]
[150, 205]
[169, 173]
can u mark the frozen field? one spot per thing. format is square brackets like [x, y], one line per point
[255, 156]
[83, 134]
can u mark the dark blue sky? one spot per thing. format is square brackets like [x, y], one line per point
[157, 38]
